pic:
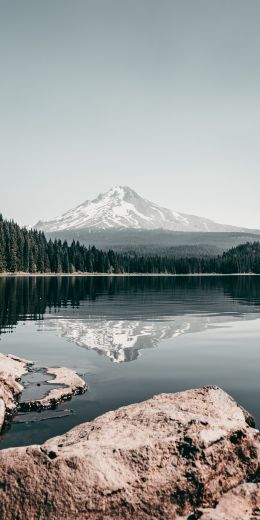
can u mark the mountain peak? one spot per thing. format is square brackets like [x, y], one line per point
[122, 208]
[120, 191]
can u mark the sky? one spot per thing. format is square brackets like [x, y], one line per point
[159, 95]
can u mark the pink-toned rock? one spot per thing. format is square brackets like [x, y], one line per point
[159, 459]
[72, 385]
[11, 369]
[241, 503]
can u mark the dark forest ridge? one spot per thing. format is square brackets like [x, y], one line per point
[158, 242]
[29, 251]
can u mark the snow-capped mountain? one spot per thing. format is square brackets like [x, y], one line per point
[122, 208]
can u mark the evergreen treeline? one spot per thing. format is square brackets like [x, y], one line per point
[29, 298]
[23, 250]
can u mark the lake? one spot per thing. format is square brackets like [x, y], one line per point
[131, 338]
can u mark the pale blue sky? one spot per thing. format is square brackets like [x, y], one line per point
[160, 95]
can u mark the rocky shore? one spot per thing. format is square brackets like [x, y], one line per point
[12, 368]
[71, 384]
[190, 455]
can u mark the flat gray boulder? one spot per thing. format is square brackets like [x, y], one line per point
[164, 458]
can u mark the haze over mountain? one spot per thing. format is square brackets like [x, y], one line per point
[122, 208]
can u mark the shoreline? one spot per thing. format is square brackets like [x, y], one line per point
[108, 275]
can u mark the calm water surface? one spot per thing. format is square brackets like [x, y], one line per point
[131, 338]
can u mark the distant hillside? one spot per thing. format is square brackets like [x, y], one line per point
[158, 241]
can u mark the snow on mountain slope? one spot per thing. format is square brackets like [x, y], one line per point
[122, 208]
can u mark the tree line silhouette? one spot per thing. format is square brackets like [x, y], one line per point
[30, 298]
[23, 250]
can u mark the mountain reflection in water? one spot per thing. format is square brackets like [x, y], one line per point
[119, 316]
[192, 331]
[122, 340]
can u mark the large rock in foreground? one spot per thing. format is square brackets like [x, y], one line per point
[163, 458]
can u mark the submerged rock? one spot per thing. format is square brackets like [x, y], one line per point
[45, 415]
[165, 458]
